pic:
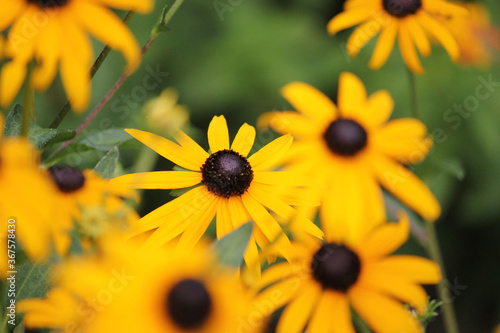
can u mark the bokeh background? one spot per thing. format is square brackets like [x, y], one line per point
[233, 61]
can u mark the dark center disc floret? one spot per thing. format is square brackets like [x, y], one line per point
[401, 8]
[66, 178]
[226, 173]
[189, 304]
[49, 3]
[345, 137]
[336, 267]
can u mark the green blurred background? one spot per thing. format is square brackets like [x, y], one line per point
[235, 62]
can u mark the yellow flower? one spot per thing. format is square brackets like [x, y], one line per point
[164, 115]
[26, 197]
[54, 33]
[322, 281]
[226, 183]
[346, 152]
[475, 35]
[127, 289]
[78, 194]
[407, 20]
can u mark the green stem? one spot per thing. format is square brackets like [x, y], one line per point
[28, 107]
[442, 288]
[413, 94]
[93, 70]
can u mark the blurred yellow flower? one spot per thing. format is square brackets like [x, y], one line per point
[26, 197]
[346, 152]
[54, 33]
[475, 35]
[125, 288]
[79, 196]
[227, 184]
[322, 281]
[163, 114]
[410, 21]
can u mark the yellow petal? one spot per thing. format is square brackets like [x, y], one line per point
[218, 135]
[243, 142]
[288, 122]
[277, 272]
[11, 80]
[407, 187]
[223, 219]
[271, 155]
[197, 153]
[445, 8]
[159, 180]
[352, 95]
[332, 314]
[267, 301]
[418, 35]
[419, 270]
[297, 313]
[197, 224]
[385, 239]
[76, 80]
[110, 30]
[348, 19]
[384, 46]
[404, 140]
[362, 35]
[166, 148]
[10, 10]
[408, 51]
[143, 6]
[379, 108]
[381, 313]
[309, 101]
[441, 33]
[264, 220]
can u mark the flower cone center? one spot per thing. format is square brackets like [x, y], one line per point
[189, 304]
[336, 267]
[401, 8]
[66, 178]
[345, 137]
[226, 173]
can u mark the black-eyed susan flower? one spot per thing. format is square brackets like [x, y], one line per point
[127, 289]
[322, 281]
[347, 152]
[476, 36]
[163, 114]
[227, 184]
[90, 201]
[26, 197]
[54, 33]
[410, 21]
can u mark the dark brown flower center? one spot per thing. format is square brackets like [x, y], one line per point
[66, 178]
[226, 173]
[401, 8]
[336, 267]
[49, 3]
[189, 304]
[345, 137]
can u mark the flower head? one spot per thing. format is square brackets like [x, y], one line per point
[125, 288]
[227, 184]
[54, 33]
[347, 152]
[476, 36]
[164, 115]
[407, 20]
[323, 280]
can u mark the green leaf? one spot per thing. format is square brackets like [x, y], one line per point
[230, 248]
[31, 280]
[107, 165]
[13, 121]
[39, 136]
[46, 137]
[107, 139]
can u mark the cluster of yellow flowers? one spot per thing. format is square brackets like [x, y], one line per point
[330, 165]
